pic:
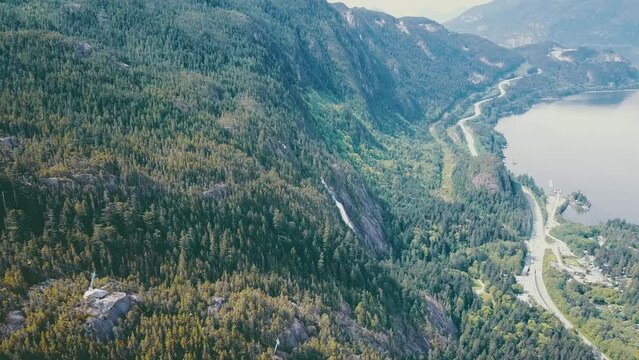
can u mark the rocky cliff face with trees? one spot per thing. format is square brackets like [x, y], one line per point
[177, 148]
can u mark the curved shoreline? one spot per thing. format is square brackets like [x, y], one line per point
[532, 281]
[470, 139]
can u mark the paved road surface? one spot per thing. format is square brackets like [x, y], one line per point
[470, 139]
[532, 279]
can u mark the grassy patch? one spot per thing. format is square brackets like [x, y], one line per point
[446, 191]
[572, 261]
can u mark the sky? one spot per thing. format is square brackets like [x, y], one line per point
[440, 10]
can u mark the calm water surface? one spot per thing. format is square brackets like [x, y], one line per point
[588, 142]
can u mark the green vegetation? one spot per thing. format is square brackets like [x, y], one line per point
[614, 245]
[578, 201]
[599, 312]
[178, 148]
[538, 193]
[582, 239]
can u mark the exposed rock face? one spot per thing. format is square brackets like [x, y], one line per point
[9, 141]
[82, 49]
[60, 183]
[352, 330]
[413, 340]
[217, 191]
[439, 319]
[361, 208]
[410, 338]
[296, 335]
[217, 303]
[105, 309]
[109, 181]
[77, 180]
[487, 181]
[15, 321]
[95, 294]
[281, 355]
[489, 175]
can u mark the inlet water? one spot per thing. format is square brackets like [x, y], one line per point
[588, 142]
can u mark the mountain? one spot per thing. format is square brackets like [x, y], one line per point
[210, 178]
[581, 65]
[595, 23]
[429, 65]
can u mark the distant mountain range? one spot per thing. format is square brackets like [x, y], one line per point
[595, 23]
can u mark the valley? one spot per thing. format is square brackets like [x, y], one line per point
[239, 179]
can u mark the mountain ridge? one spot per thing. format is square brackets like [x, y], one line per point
[596, 23]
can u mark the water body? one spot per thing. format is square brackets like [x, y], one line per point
[588, 142]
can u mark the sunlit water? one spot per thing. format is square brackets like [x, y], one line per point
[588, 142]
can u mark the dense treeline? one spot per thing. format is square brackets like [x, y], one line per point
[176, 148]
[614, 247]
[606, 312]
[602, 313]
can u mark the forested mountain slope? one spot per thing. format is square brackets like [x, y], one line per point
[179, 149]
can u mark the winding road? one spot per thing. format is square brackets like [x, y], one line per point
[532, 278]
[470, 140]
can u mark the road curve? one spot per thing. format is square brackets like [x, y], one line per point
[470, 139]
[532, 279]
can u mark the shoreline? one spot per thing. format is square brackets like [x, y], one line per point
[462, 123]
[532, 277]
[572, 211]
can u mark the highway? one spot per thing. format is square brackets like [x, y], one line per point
[470, 139]
[532, 279]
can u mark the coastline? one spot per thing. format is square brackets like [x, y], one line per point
[532, 277]
[605, 207]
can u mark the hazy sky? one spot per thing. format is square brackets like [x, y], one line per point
[440, 10]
